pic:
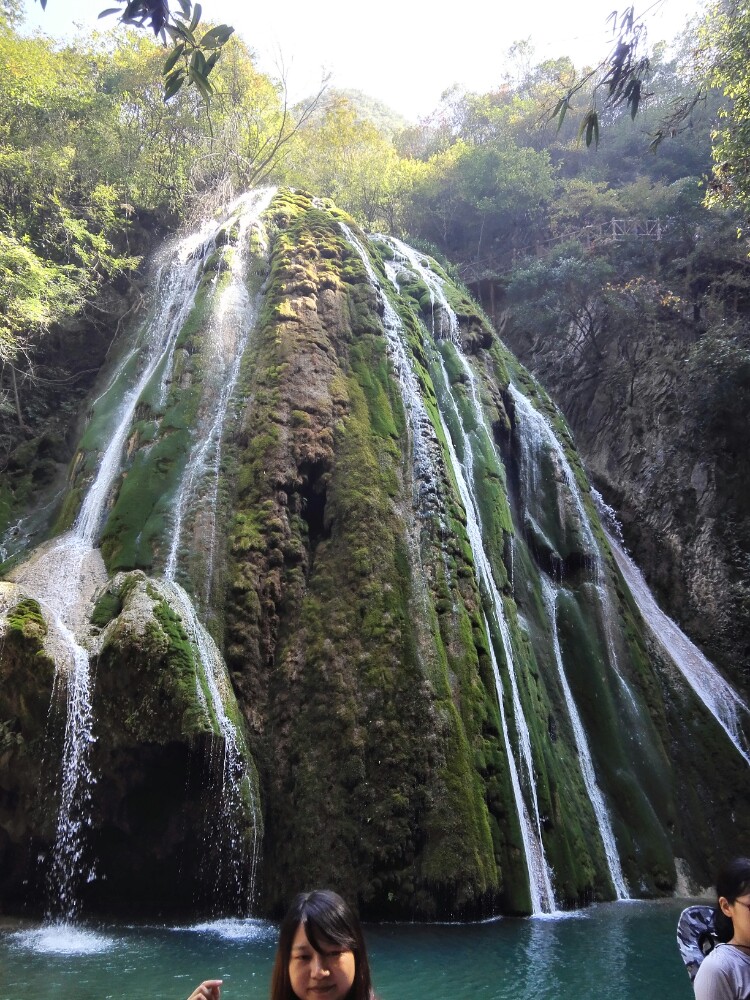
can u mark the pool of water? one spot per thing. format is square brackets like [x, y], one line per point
[617, 951]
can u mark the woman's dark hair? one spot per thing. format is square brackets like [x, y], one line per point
[327, 920]
[732, 881]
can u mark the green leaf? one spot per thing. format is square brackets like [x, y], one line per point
[590, 128]
[198, 63]
[173, 56]
[110, 10]
[216, 37]
[186, 6]
[635, 99]
[201, 84]
[177, 31]
[197, 11]
[172, 85]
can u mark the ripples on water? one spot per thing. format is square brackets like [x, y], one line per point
[622, 951]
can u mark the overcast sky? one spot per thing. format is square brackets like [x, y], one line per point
[403, 52]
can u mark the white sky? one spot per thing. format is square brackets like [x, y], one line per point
[404, 52]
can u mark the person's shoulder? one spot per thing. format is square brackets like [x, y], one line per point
[725, 956]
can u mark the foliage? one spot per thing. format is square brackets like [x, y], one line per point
[726, 38]
[192, 57]
[621, 76]
[346, 158]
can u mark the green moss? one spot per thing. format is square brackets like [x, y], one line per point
[26, 618]
[107, 607]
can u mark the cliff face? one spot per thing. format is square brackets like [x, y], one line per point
[436, 693]
[659, 414]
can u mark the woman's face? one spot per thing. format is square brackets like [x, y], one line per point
[316, 974]
[739, 913]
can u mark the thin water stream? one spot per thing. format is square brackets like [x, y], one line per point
[719, 697]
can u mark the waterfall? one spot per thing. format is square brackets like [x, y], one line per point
[435, 287]
[540, 882]
[175, 291]
[424, 441]
[236, 781]
[232, 320]
[64, 574]
[63, 577]
[539, 874]
[75, 789]
[719, 697]
[536, 435]
[584, 754]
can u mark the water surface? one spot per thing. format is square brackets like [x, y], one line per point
[621, 951]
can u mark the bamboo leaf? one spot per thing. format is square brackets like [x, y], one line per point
[216, 37]
[173, 57]
[635, 99]
[172, 86]
[197, 11]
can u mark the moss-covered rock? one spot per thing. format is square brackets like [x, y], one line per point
[405, 592]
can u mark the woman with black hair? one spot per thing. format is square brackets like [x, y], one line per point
[321, 954]
[725, 973]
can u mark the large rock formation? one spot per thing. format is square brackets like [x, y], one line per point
[438, 695]
[659, 413]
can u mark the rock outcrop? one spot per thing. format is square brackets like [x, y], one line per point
[439, 693]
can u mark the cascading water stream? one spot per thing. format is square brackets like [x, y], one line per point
[584, 754]
[435, 286]
[236, 783]
[423, 438]
[540, 881]
[64, 575]
[539, 872]
[719, 697]
[176, 289]
[536, 436]
[234, 316]
[540, 876]
[233, 319]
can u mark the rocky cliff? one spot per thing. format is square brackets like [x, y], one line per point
[659, 413]
[436, 694]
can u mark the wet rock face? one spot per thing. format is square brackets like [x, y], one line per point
[677, 481]
[405, 563]
[26, 677]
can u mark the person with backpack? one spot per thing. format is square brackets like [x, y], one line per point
[724, 974]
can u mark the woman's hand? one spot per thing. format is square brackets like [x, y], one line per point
[209, 990]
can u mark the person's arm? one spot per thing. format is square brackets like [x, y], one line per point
[208, 990]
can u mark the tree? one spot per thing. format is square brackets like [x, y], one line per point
[482, 200]
[726, 41]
